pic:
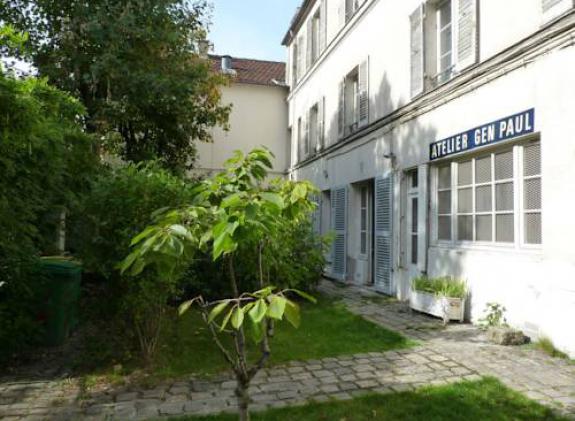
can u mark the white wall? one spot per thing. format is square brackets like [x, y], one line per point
[259, 117]
[537, 285]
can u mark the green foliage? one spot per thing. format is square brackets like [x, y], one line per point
[45, 165]
[494, 316]
[547, 346]
[120, 205]
[444, 286]
[136, 67]
[486, 399]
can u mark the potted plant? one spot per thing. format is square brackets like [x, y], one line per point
[441, 297]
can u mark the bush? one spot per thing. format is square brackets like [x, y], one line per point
[121, 205]
[444, 286]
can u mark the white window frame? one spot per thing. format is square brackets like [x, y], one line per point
[518, 212]
[364, 210]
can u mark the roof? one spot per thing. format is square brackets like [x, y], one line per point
[255, 72]
[297, 20]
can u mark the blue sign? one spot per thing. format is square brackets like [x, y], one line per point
[506, 128]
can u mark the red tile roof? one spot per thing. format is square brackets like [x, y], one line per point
[256, 72]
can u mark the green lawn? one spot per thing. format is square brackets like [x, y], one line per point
[484, 400]
[327, 330]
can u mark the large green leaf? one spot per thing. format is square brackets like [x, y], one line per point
[258, 330]
[226, 319]
[258, 312]
[292, 313]
[277, 307]
[237, 317]
[304, 295]
[273, 198]
[217, 310]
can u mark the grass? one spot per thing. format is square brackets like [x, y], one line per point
[443, 286]
[547, 346]
[327, 330]
[486, 399]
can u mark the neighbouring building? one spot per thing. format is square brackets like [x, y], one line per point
[440, 133]
[258, 94]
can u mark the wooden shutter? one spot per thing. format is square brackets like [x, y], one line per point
[316, 214]
[341, 14]
[384, 234]
[341, 110]
[339, 209]
[306, 136]
[417, 53]
[363, 100]
[323, 26]
[466, 34]
[309, 45]
[320, 125]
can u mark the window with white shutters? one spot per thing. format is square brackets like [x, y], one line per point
[364, 220]
[353, 112]
[444, 41]
[488, 197]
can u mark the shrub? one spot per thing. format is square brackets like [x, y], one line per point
[444, 286]
[121, 204]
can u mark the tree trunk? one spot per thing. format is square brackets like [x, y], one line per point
[243, 398]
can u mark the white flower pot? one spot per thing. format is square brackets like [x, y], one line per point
[444, 307]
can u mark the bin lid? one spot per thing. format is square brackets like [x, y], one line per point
[60, 264]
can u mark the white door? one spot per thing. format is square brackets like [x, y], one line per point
[383, 229]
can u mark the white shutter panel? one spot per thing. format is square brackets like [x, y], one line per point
[417, 53]
[323, 26]
[309, 44]
[341, 14]
[341, 110]
[384, 234]
[466, 34]
[320, 125]
[339, 207]
[306, 136]
[552, 9]
[363, 93]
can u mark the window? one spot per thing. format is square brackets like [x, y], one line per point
[482, 193]
[364, 222]
[413, 182]
[444, 41]
[295, 59]
[353, 112]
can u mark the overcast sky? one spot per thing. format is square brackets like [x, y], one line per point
[251, 28]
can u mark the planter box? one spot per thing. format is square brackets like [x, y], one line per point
[444, 307]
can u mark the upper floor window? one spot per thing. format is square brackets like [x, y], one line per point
[315, 36]
[443, 41]
[353, 112]
[348, 8]
[311, 131]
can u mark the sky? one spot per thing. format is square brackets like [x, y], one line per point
[251, 28]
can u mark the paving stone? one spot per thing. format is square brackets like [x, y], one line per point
[125, 411]
[365, 384]
[126, 397]
[172, 408]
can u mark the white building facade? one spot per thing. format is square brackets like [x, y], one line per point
[439, 133]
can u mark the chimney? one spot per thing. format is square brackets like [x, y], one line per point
[227, 66]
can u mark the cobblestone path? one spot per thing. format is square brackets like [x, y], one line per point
[458, 352]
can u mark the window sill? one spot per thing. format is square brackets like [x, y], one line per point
[463, 246]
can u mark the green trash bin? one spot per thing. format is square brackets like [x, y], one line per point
[60, 296]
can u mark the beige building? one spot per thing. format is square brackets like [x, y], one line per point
[259, 116]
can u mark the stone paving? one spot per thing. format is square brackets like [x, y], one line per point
[455, 353]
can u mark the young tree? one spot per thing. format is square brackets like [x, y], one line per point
[137, 67]
[234, 216]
